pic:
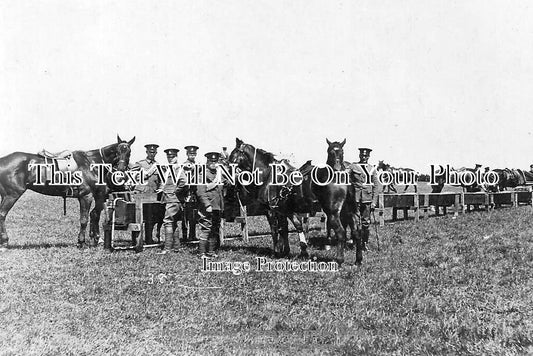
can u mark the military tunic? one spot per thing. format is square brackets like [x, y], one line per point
[171, 193]
[210, 195]
[152, 179]
[366, 193]
[188, 223]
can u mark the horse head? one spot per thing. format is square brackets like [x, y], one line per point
[118, 154]
[336, 155]
[240, 157]
[382, 166]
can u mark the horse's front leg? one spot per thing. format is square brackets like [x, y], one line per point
[273, 222]
[94, 233]
[302, 227]
[85, 205]
[284, 236]
[340, 235]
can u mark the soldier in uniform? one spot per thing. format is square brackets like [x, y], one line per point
[171, 193]
[210, 205]
[188, 223]
[148, 165]
[366, 193]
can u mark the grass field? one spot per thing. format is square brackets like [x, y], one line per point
[441, 286]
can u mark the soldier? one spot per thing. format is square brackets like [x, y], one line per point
[210, 205]
[531, 168]
[171, 193]
[188, 223]
[366, 193]
[148, 166]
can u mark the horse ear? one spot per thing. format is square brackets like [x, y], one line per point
[343, 142]
[238, 142]
[119, 139]
[131, 141]
[327, 141]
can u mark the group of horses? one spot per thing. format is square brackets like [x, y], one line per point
[17, 174]
[280, 202]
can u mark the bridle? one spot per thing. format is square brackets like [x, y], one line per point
[117, 160]
[283, 193]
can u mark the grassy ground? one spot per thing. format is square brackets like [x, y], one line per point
[442, 286]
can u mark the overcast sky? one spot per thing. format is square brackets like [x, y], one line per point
[420, 82]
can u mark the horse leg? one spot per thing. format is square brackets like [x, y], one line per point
[329, 241]
[99, 205]
[272, 221]
[5, 206]
[284, 235]
[340, 236]
[299, 224]
[94, 232]
[85, 205]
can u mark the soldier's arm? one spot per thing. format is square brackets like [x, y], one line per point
[201, 193]
[181, 187]
[135, 167]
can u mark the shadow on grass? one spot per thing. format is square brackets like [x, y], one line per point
[255, 250]
[35, 246]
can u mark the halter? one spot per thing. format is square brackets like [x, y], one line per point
[117, 160]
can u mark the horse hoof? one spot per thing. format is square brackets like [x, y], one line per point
[327, 247]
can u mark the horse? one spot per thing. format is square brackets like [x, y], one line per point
[18, 173]
[280, 202]
[405, 174]
[509, 178]
[286, 201]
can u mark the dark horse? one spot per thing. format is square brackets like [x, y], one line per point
[278, 201]
[16, 175]
[510, 178]
[286, 201]
[405, 175]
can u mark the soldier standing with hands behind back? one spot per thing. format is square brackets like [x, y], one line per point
[171, 193]
[366, 193]
[188, 223]
[210, 207]
[148, 166]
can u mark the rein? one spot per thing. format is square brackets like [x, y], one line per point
[284, 192]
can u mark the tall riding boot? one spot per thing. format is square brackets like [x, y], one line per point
[202, 247]
[212, 247]
[169, 239]
[176, 239]
[184, 227]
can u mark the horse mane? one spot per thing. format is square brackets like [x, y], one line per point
[268, 155]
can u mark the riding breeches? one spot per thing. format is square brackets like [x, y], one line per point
[210, 225]
[172, 210]
[363, 215]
